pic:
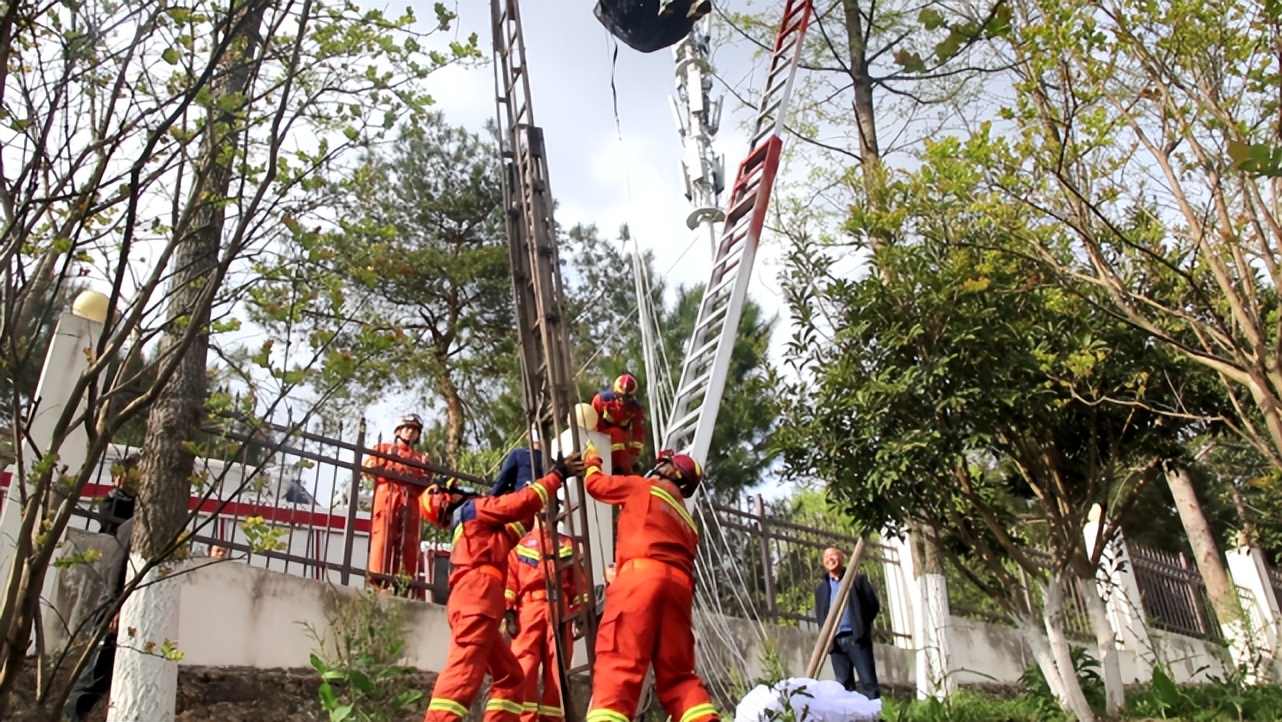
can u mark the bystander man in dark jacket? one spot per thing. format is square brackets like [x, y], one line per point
[851, 651]
[118, 509]
[117, 506]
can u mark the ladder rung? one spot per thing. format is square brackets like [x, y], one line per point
[689, 418]
[708, 317]
[742, 208]
[727, 283]
[709, 346]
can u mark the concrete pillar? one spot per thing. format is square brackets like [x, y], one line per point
[66, 360]
[931, 625]
[1259, 648]
[1116, 584]
[600, 529]
[899, 582]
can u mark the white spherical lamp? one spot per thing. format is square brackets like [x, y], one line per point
[91, 305]
[584, 416]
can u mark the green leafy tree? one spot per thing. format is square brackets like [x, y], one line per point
[1183, 97]
[953, 351]
[170, 152]
[417, 278]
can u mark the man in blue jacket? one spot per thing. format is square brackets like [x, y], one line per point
[520, 467]
[851, 651]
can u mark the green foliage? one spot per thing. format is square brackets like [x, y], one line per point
[262, 536]
[1085, 668]
[87, 556]
[1219, 701]
[414, 281]
[359, 662]
[740, 452]
[968, 705]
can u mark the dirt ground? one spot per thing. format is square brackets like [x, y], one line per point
[239, 694]
[232, 694]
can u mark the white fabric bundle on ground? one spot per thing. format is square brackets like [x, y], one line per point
[810, 700]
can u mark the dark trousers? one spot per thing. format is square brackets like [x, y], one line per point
[94, 681]
[850, 657]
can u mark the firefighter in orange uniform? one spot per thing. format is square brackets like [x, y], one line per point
[394, 531]
[528, 612]
[621, 417]
[648, 608]
[485, 529]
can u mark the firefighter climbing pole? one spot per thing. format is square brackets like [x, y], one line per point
[707, 361]
[547, 361]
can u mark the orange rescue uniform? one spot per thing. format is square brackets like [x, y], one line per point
[623, 420]
[394, 530]
[534, 645]
[648, 608]
[485, 530]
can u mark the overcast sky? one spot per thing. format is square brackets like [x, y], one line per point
[598, 177]
[601, 172]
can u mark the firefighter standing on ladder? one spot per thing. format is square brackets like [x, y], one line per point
[485, 529]
[649, 606]
[530, 618]
[621, 417]
[395, 522]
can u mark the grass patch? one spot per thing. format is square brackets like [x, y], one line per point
[968, 705]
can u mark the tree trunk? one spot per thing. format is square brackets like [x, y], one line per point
[145, 683]
[1061, 653]
[1206, 553]
[862, 84]
[1106, 644]
[453, 416]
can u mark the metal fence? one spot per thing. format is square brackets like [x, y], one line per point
[768, 567]
[1173, 593]
[278, 497]
[1275, 580]
[964, 600]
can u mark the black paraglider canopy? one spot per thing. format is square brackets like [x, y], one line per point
[640, 26]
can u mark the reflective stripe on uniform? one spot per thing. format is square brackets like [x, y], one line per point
[503, 705]
[676, 505]
[441, 704]
[606, 715]
[699, 710]
[548, 711]
[541, 490]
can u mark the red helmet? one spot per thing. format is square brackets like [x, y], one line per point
[626, 385]
[435, 503]
[689, 472]
[689, 469]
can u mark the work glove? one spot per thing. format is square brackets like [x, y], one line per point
[568, 466]
[592, 458]
[509, 623]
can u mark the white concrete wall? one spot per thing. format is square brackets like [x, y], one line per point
[237, 615]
